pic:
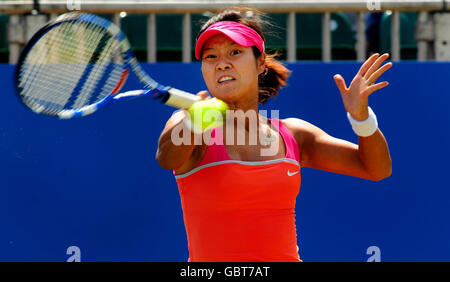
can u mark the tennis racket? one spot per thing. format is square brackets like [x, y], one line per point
[77, 64]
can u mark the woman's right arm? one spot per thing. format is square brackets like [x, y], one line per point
[173, 156]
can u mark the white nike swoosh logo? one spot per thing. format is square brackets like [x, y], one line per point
[292, 173]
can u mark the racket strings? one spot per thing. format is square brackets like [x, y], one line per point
[102, 64]
[66, 67]
[50, 67]
[100, 60]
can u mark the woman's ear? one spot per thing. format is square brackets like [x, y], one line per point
[261, 63]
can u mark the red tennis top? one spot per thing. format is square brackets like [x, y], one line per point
[241, 210]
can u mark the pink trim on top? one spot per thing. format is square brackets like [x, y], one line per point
[216, 151]
[289, 140]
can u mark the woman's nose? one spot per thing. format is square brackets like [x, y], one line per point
[223, 66]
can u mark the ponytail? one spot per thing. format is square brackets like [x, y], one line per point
[272, 79]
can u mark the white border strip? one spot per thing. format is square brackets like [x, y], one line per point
[238, 162]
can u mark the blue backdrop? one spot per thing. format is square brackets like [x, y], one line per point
[90, 189]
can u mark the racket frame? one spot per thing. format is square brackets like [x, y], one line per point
[166, 95]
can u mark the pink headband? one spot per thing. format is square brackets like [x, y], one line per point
[239, 33]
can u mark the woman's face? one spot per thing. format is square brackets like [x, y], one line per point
[230, 71]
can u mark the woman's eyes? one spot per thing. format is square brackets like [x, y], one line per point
[235, 52]
[212, 56]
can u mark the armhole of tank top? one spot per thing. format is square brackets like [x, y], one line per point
[217, 149]
[201, 160]
[213, 153]
[291, 144]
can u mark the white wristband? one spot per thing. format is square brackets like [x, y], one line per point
[366, 127]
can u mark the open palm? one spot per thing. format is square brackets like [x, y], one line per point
[355, 97]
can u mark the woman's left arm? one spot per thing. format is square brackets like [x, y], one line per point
[373, 150]
[369, 159]
[374, 154]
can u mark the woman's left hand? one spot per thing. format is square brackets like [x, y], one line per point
[355, 97]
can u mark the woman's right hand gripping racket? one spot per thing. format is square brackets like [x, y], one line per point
[77, 63]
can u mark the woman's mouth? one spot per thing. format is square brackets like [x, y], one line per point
[225, 79]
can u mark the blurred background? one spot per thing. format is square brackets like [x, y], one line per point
[90, 189]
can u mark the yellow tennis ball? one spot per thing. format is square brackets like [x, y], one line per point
[207, 114]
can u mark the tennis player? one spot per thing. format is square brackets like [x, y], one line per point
[239, 205]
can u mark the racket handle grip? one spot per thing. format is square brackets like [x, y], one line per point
[180, 99]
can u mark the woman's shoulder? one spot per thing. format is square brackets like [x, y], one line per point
[298, 126]
[301, 129]
[295, 122]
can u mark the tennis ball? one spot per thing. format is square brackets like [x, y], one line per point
[207, 114]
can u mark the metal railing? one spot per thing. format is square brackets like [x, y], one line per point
[290, 7]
